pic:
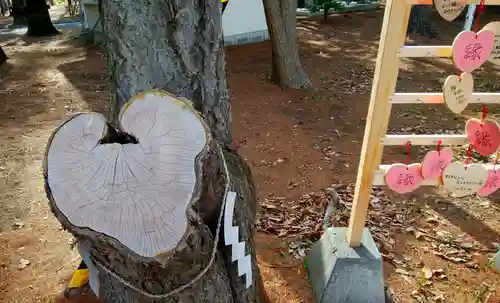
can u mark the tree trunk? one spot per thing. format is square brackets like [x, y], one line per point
[421, 21]
[3, 56]
[178, 52]
[175, 46]
[39, 23]
[4, 7]
[17, 12]
[282, 25]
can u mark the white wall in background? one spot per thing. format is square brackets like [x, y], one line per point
[240, 16]
[243, 16]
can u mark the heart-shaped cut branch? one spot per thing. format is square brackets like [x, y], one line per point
[464, 180]
[403, 179]
[435, 162]
[133, 183]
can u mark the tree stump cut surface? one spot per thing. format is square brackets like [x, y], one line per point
[135, 192]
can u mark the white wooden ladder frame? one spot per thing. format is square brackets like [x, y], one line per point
[391, 48]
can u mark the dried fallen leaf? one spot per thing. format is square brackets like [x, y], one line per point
[449, 258]
[23, 263]
[268, 206]
[17, 225]
[439, 274]
[402, 272]
[427, 272]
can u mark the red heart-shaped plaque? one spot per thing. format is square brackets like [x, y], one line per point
[403, 179]
[492, 183]
[435, 162]
[484, 136]
[471, 49]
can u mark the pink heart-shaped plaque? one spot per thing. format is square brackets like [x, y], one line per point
[470, 49]
[402, 179]
[484, 137]
[492, 183]
[435, 162]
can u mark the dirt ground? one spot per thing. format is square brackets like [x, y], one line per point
[299, 144]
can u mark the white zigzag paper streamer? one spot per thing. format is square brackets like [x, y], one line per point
[231, 237]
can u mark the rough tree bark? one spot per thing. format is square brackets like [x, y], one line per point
[282, 25]
[175, 46]
[3, 56]
[38, 19]
[421, 21]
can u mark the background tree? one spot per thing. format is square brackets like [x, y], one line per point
[74, 7]
[281, 21]
[17, 12]
[421, 21]
[38, 19]
[326, 6]
[3, 56]
[177, 46]
[4, 7]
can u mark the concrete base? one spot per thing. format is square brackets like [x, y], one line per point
[495, 262]
[342, 274]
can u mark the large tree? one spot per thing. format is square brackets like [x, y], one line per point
[281, 20]
[176, 46]
[421, 21]
[38, 19]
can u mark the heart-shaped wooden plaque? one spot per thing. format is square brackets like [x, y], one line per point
[463, 180]
[449, 10]
[403, 179]
[495, 53]
[457, 92]
[471, 50]
[484, 136]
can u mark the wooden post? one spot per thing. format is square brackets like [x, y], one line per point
[397, 13]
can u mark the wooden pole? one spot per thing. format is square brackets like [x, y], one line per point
[469, 19]
[397, 13]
